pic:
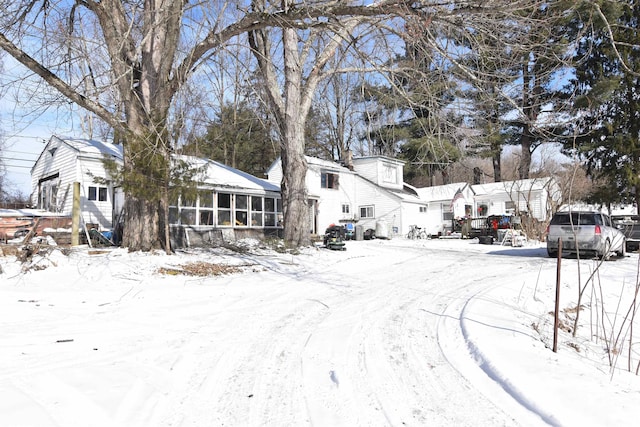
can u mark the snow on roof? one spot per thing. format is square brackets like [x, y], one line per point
[510, 186]
[221, 175]
[365, 159]
[326, 164]
[441, 192]
[92, 146]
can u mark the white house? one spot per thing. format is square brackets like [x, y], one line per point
[64, 161]
[369, 192]
[446, 202]
[229, 203]
[538, 197]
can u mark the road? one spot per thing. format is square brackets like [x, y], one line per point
[370, 336]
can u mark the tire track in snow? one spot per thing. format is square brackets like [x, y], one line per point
[460, 350]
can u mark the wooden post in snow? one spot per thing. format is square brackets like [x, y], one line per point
[557, 310]
[75, 215]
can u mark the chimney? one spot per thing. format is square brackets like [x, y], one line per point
[348, 159]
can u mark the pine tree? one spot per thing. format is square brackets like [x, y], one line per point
[609, 102]
[239, 138]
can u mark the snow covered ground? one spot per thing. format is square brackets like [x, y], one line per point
[387, 333]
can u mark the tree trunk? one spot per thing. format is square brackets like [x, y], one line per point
[141, 224]
[145, 183]
[496, 159]
[294, 165]
[525, 159]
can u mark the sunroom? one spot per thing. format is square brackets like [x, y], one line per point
[228, 205]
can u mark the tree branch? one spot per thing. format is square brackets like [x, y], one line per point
[60, 85]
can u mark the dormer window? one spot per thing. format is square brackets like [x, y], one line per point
[329, 180]
[389, 174]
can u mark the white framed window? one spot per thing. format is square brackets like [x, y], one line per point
[208, 208]
[367, 212]
[329, 180]
[257, 211]
[97, 194]
[48, 196]
[272, 212]
[224, 209]
[389, 174]
[346, 209]
[205, 205]
[447, 212]
[423, 209]
[242, 210]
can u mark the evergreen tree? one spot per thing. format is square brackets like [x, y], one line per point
[513, 92]
[412, 120]
[238, 138]
[609, 101]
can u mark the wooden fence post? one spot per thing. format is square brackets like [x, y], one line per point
[557, 310]
[75, 215]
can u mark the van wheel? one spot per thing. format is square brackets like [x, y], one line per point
[552, 254]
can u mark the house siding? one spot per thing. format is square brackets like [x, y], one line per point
[383, 171]
[63, 163]
[94, 211]
[387, 207]
[411, 215]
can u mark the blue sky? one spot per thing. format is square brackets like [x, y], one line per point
[25, 127]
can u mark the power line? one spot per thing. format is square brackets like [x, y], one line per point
[17, 159]
[18, 152]
[18, 166]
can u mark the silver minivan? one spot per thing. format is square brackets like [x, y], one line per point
[587, 232]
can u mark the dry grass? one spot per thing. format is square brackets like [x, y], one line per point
[200, 269]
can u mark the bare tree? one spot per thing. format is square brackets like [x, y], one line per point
[126, 61]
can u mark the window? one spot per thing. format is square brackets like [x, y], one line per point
[272, 212]
[256, 211]
[510, 206]
[346, 209]
[242, 210]
[48, 195]
[224, 209]
[366, 212]
[483, 209]
[329, 180]
[467, 210]
[423, 209]
[205, 202]
[188, 211]
[447, 212]
[389, 174]
[208, 208]
[188, 216]
[98, 193]
[205, 198]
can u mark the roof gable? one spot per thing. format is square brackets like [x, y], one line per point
[442, 192]
[92, 146]
[522, 185]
